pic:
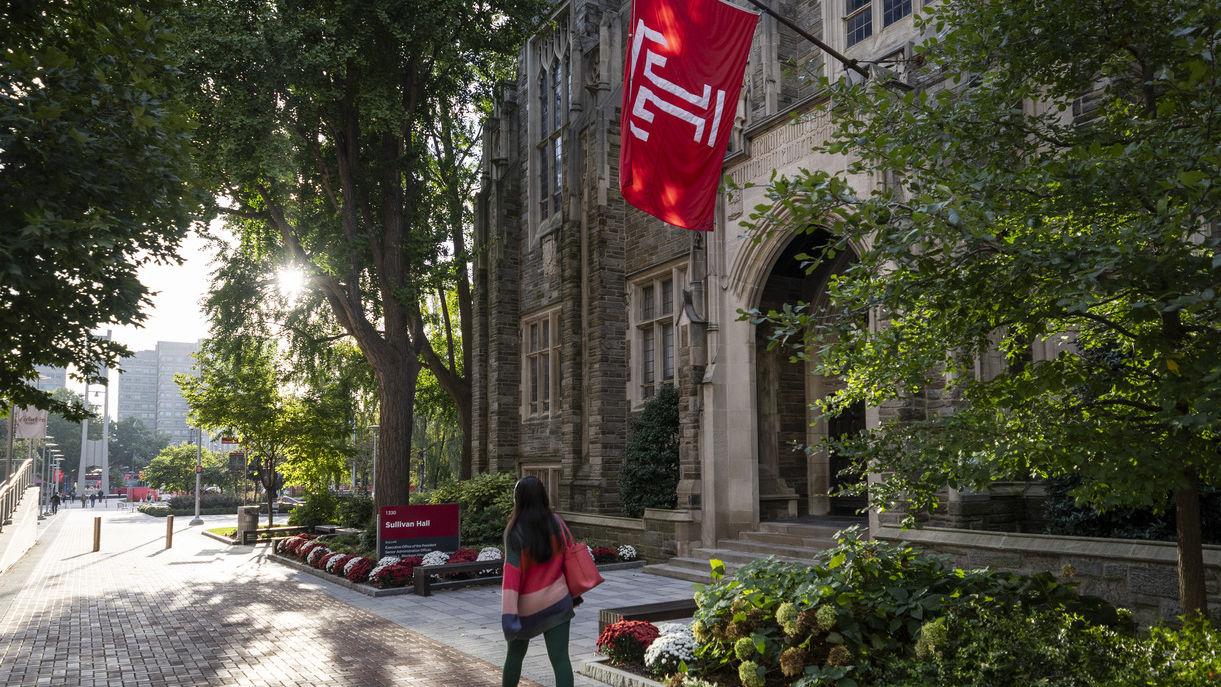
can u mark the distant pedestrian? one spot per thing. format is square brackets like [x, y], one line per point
[54, 503]
[93, 499]
[84, 500]
[102, 497]
[534, 595]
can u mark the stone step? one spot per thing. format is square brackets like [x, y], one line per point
[762, 549]
[678, 572]
[777, 539]
[825, 529]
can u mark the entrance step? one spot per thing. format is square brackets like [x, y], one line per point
[790, 540]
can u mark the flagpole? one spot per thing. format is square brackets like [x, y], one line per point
[848, 63]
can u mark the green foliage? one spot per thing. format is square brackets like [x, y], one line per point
[174, 468]
[1006, 646]
[207, 500]
[841, 619]
[354, 511]
[649, 476]
[133, 444]
[95, 182]
[1063, 515]
[484, 504]
[318, 509]
[1003, 212]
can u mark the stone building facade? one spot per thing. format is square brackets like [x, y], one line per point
[584, 304]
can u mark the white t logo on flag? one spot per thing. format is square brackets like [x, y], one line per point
[644, 95]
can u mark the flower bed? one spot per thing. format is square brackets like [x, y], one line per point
[392, 572]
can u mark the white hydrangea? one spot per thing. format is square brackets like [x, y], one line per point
[348, 568]
[627, 552]
[664, 655]
[435, 558]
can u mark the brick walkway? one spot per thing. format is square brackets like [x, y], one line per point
[201, 613]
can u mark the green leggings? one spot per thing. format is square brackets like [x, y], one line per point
[556, 640]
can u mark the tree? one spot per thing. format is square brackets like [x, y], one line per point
[311, 124]
[174, 468]
[133, 444]
[94, 182]
[240, 391]
[1056, 185]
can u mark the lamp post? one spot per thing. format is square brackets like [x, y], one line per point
[45, 495]
[198, 472]
[373, 481]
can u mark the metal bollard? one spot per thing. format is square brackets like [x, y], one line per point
[97, 534]
[169, 530]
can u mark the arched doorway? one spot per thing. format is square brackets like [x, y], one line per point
[796, 469]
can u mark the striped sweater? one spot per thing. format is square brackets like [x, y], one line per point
[533, 596]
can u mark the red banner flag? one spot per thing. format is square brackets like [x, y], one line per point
[682, 75]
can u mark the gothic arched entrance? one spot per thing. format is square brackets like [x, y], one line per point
[796, 469]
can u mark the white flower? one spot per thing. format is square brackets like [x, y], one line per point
[590, 549]
[489, 553]
[316, 553]
[667, 651]
[348, 568]
[671, 628]
[435, 558]
[330, 565]
[627, 552]
[376, 569]
[388, 560]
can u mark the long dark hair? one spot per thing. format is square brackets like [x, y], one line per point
[532, 521]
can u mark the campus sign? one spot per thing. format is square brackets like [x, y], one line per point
[416, 530]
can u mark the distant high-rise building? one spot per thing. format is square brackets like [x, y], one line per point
[51, 378]
[147, 389]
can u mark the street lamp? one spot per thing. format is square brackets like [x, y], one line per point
[198, 472]
[373, 481]
[44, 494]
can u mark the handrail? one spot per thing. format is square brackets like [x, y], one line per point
[13, 489]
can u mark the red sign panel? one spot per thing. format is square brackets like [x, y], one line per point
[681, 81]
[416, 530]
[230, 440]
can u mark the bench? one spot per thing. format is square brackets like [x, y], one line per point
[250, 535]
[424, 584]
[662, 610]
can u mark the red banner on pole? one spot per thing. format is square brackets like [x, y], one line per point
[682, 76]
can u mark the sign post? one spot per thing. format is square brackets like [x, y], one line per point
[416, 530]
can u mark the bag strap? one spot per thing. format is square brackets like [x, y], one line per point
[568, 540]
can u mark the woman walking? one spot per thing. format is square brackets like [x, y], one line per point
[534, 594]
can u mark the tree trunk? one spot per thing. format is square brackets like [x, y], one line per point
[396, 385]
[1190, 546]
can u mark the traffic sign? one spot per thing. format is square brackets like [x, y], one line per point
[198, 469]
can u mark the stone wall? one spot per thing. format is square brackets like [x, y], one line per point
[655, 536]
[1140, 575]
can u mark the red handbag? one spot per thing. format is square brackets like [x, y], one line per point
[580, 572]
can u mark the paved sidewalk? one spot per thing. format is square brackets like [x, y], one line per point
[203, 613]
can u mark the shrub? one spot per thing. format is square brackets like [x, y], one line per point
[627, 552]
[336, 563]
[1187, 657]
[155, 511]
[318, 509]
[1062, 515]
[354, 511]
[625, 641]
[484, 503]
[649, 476]
[855, 609]
[208, 499]
[1007, 646]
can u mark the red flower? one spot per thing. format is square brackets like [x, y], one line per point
[360, 571]
[625, 641]
[603, 554]
[394, 576]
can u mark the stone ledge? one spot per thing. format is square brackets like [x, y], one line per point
[334, 579]
[1115, 549]
[604, 520]
[667, 515]
[598, 669]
